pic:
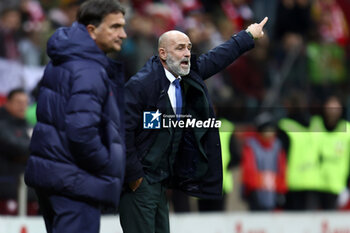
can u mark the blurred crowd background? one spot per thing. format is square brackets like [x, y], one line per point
[297, 72]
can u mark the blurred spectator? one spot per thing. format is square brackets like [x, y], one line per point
[333, 138]
[10, 24]
[264, 167]
[332, 25]
[14, 149]
[303, 173]
[332, 36]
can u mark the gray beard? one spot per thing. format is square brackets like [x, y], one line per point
[175, 66]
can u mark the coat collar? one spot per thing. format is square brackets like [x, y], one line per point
[160, 75]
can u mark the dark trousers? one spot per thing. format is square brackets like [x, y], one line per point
[145, 210]
[208, 205]
[311, 200]
[180, 200]
[65, 215]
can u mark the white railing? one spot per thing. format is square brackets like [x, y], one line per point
[232, 222]
[22, 196]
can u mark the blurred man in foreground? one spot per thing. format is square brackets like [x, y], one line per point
[77, 151]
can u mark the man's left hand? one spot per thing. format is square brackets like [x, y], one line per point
[135, 184]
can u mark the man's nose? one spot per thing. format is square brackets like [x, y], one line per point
[187, 53]
[123, 34]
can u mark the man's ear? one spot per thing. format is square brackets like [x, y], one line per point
[91, 30]
[162, 53]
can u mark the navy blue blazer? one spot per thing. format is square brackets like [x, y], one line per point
[77, 147]
[147, 91]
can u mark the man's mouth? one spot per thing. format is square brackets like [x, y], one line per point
[185, 63]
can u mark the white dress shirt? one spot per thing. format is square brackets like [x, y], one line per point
[171, 90]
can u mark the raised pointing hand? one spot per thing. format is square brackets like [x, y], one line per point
[256, 29]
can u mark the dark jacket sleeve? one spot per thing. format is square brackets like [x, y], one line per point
[83, 119]
[133, 116]
[223, 55]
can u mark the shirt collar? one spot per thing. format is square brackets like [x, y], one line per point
[170, 76]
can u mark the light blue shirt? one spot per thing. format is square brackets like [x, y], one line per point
[171, 90]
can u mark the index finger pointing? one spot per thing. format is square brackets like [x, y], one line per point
[263, 22]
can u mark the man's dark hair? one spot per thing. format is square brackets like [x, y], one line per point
[13, 92]
[94, 11]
